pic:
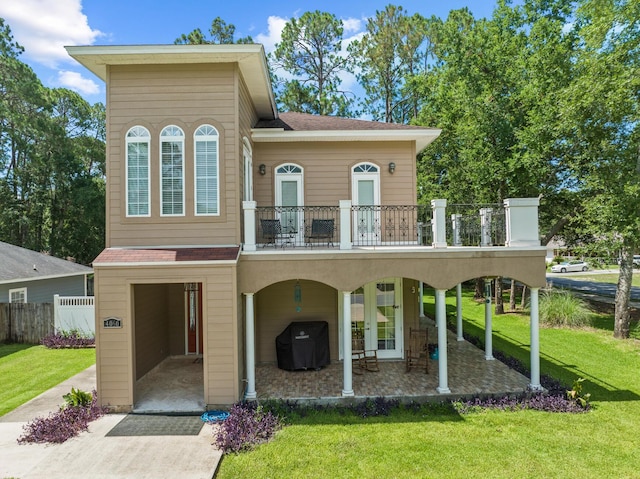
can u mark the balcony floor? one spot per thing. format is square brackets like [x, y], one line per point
[469, 374]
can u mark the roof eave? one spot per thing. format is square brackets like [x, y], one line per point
[250, 58]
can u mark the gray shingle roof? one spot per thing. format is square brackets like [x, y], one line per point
[18, 263]
[293, 121]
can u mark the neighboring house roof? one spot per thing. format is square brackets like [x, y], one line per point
[118, 256]
[292, 126]
[250, 58]
[20, 264]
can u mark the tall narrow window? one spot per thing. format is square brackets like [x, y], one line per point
[206, 171]
[172, 171]
[248, 170]
[138, 171]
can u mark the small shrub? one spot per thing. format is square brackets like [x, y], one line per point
[375, 407]
[248, 425]
[560, 308]
[576, 394]
[68, 339]
[538, 402]
[78, 398]
[64, 424]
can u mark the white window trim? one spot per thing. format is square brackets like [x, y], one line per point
[247, 156]
[171, 139]
[126, 170]
[195, 169]
[18, 290]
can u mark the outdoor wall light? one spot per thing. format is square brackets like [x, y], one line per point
[392, 167]
[262, 169]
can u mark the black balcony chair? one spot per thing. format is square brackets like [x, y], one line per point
[321, 230]
[272, 233]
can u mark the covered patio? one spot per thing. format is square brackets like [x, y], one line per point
[469, 374]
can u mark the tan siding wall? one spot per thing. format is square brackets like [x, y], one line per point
[327, 170]
[114, 351]
[275, 309]
[188, 96]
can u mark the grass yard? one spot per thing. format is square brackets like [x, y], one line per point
[601, 443]
[27, 371]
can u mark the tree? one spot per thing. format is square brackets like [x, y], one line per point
[220, 33]
[311, 52]
[389, 54]
[601, 125]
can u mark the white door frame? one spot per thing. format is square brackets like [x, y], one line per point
[295, 173]
[369, 172]
[371, 319]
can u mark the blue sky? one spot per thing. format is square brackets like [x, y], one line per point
[44, 27]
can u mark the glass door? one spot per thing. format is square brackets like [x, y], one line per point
[289, 196]
[366, 199]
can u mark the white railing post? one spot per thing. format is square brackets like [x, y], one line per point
[521, 217]
[439, 223]
[345, 224]
[485, 227]
[456, 224]
[249, 208]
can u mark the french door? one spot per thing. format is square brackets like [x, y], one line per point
[376, 314]
[290, 196]
[365, 190]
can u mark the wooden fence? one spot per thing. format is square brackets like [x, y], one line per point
[26, 322]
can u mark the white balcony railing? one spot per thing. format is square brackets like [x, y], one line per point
[515, 223]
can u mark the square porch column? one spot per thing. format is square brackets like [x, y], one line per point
[249, 208]
[345, 225]
[439, 223]
[521, 217]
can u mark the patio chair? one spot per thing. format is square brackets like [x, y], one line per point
[363, 359]
[417, 356]
[272, 232]
[320, 230]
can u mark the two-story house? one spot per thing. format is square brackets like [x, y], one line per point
[227, 220]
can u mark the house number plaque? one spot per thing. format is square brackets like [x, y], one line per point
[111, 323]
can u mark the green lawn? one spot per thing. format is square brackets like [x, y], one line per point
[27, 371]
[443, 444]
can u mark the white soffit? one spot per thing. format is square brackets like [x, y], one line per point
[250, 58]
[279, 135]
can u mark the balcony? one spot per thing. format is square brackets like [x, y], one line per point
[345, 226]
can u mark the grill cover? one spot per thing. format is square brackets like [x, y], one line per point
[303, 345]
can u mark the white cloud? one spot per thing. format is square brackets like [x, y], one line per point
[44, 27]
[75, 81]
[352, 25]
[275, 26]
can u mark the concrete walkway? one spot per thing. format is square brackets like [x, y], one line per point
[94, 455]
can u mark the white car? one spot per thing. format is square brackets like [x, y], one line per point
[569, 266]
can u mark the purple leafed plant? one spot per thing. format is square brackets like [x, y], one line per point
[248, 425]
[64, 424]
[73, 340]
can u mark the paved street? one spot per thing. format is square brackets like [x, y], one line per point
[574, 282]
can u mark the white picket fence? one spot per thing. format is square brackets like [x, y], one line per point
[74, 313]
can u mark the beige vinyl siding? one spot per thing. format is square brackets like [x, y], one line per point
[275, 309]
[187, 96]
[327, 170]
[116, 290]
[151, 326]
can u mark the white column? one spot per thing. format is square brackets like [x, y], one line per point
[421, 299]
[456, 225]
[441, 321]
[535, 341]
[459, 331]
[347, 389]
[249, 208]
[521, 218]
[488, 328]
[485, 227]
[250, 347]
[345, 226]
[439, 223]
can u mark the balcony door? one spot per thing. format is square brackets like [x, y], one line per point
[365, 191]
[290, 199]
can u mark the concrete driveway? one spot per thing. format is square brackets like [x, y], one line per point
[93, 454]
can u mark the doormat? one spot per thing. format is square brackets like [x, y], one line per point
[157, 425]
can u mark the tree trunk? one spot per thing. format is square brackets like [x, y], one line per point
[523, 301]
[623, 293]
[512, 296]
[479, 290]
[499, 302]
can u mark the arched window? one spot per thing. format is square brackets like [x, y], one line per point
[207, 168]
[137, 172]
[172, 171]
